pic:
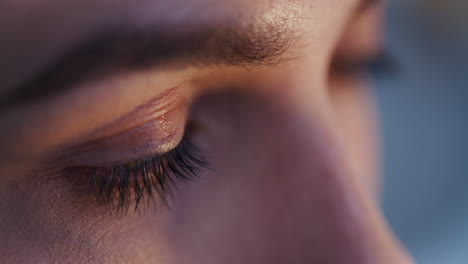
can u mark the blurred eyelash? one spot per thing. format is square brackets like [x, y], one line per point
[382, 64]
[139, 181]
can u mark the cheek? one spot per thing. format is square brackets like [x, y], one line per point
[42, 224]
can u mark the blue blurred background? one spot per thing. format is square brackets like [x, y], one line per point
[424, 112]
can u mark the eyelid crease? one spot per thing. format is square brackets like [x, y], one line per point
[154, 127]
[156, 107]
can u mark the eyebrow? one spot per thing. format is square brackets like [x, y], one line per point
[130, 49]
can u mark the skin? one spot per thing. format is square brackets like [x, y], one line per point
[291, 145]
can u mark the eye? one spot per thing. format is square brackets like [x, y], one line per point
[137, 159]
[139, 182]
[359, 49]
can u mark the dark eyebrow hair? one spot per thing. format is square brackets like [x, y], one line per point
[130, 49]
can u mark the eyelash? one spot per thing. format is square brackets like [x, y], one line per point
[381, 64]
[138, 181]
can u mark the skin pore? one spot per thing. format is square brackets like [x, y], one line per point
[273, 95]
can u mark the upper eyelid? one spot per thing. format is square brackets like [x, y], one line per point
[153, 127]
[156, 107]
[72, 118]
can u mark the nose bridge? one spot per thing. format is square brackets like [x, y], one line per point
[340, 208]
[378, 241]
[353, 228]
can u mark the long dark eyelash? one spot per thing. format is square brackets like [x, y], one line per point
[139, 181]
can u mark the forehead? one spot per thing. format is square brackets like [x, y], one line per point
[95, 12]
[70, 18]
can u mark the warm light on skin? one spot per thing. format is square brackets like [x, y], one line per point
[291, 144]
